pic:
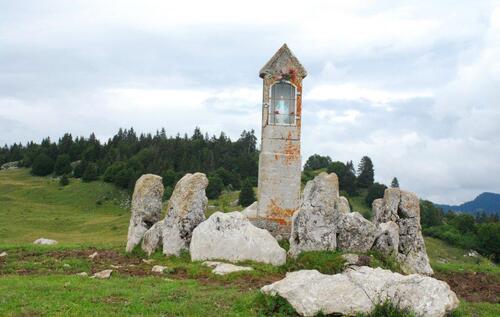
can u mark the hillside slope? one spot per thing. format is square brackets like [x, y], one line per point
[34, 207]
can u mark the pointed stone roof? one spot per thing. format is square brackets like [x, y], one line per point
[283, 60]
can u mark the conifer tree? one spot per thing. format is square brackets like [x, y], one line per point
[365, 172]
[247, 195]
[395, 183]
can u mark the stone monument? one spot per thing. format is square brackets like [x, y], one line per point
[280, 161]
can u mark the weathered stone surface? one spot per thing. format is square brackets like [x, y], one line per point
[403, 209]
[250, 211]
[231, 236]
[186, 209]
[9, 165]
[324, 221]
[354, 232]
[3, 254]
[350, 259]
[313, 225]
[152, 239]
[221, 268]
[358, 289]
[146, 208]
[387, 240]
[103, 274]
[45, 241]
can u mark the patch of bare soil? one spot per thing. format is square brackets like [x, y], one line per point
[473, 287]
[135, 266]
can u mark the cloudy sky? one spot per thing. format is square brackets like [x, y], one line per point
[414, 86]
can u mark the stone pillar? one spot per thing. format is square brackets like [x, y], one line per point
[280, 160]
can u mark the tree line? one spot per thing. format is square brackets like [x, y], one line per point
[351, 180]
[126, 156]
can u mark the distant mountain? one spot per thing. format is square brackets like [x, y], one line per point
[487, 202]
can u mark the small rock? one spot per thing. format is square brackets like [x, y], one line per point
[103, 274]
[221, 268]
[66, 265]
[158, 269]
[82, 274]
[93, 255]
[3, 254]
[234, 203]
[115, 266]
[148, 261]
[45, 241]
[473, 253]
[350, 259]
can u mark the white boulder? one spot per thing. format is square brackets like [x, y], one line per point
[103, 274]
[358, 289]
[146, 208]
[221, 268]
[231, 236]
[45, 241]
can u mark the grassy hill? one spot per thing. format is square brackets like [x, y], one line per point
[89, 217]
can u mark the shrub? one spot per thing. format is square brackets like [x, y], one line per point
[90, 173]
[63, 181]
[268, 305]
[63, 165]
[247, 195]
[112, 170]
[42, 165]
[375, 191]
[79, 169]
[215, 186]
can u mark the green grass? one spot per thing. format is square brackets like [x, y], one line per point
[85, 217]
[59, 295]
[34, 207]
[447, 258]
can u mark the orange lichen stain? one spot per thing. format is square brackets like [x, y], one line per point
[278, 214]
[291, 151]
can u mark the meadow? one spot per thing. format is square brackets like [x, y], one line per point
[93, 217]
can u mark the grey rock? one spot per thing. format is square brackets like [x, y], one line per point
[158, 269]
[146, 208]
[403, 209]
[355, 233]
[387, 240]
[324, 221]
[185, 210]
[231, 237]
[358, 289]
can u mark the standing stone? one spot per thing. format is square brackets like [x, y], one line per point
[403, 209]
[186, 209]
[231, 236]
[355, 233]
[313, 225]
[324, 221]
[146, 208]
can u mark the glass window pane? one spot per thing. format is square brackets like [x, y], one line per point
[282, 108]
